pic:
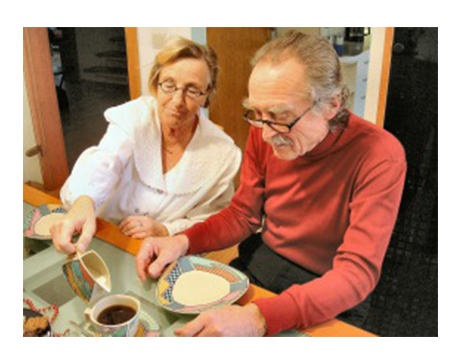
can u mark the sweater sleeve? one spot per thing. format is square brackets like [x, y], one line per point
[357, 264]
[243, 217]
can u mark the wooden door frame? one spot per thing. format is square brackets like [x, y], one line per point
[385, 75]
[44, 107]
[132, 51]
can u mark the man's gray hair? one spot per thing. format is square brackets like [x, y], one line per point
[322, 68]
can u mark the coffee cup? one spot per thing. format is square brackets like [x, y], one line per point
[114, 316]
[88, 276]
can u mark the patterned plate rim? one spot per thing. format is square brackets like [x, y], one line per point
[244, 280]
[43, 210]
[144, 318]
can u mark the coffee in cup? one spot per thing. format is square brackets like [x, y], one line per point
[115, 315]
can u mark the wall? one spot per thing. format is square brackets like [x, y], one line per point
[150, 41]
[375, 73]
[30, 166]
[375, 67]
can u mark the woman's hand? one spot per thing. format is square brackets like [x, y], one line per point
[141, 227]
[81, 218]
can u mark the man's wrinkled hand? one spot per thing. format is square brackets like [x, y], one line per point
[156, 253]
[226, 321]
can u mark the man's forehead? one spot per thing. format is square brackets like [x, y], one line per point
[267, 105]
[277, 86]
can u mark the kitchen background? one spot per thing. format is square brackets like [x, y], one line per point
[90, 71]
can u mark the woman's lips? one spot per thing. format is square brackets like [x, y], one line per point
[175, 112]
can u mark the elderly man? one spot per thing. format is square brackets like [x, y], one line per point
[322, 187]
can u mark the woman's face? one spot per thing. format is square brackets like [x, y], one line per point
[177, 110]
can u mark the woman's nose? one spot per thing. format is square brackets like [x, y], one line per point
[178, 97]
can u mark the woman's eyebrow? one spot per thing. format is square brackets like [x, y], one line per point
[188, 84]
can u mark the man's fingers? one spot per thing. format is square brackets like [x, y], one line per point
[155, 269]
[193, 328]
[158, 266]
[143, 259]
[141, 267]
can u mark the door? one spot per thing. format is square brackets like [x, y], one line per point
[405, 302]
[235, 48]
[44, 109]
[65, 70]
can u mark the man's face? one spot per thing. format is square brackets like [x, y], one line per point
[277, 93]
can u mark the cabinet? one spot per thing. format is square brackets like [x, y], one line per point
[355, 71]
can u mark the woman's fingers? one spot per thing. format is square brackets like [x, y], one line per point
[87, 233]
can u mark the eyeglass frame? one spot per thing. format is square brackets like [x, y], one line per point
[271, 123]
[201, 93]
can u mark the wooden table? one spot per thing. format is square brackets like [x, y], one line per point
[112, 234]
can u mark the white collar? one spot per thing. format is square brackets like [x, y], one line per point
[202, 161]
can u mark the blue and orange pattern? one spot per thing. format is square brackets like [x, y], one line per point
[239, 283]
[79, 279]
[35, 215]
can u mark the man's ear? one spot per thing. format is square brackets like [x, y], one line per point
[333, 106]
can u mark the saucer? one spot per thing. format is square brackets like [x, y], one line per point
[41, 217]
[146, 324]
[192, 285]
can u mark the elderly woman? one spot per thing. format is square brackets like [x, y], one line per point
[162, 166]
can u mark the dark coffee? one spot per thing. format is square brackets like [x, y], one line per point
[115, 315]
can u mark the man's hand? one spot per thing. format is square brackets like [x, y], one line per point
[141, 227]
[156, 253]
[81, 218]
[226, 321]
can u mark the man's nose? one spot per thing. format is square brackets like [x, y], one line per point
[267, 132]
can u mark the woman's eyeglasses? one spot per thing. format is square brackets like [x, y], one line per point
[190, 91]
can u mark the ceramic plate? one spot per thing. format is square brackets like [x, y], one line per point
[33, 218]
[192, 285]
[27, 313]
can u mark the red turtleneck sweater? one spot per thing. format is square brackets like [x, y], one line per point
[331, 211]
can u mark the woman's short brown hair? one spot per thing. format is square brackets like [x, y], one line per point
[180, 48]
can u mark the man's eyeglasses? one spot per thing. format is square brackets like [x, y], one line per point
[282, 128]
[191, 92]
